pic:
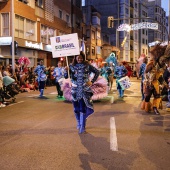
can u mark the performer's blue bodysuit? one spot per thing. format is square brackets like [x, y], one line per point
[39, 70]
[120, 72]
[81, 93]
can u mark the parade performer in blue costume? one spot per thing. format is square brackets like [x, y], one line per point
[112, 63]
[81, 89]
[120, 72]
[40, 71]
[58, 74]
[111, 59]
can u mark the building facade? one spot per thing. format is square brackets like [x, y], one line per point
[35, 22]
[156, 12]
[92, 32]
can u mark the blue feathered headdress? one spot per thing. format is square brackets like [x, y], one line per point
[112, 59]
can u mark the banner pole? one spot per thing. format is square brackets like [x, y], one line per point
[68, 67]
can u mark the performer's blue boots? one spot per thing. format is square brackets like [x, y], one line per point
[41, 92]
[77, 115]
[82, 123]
[121, 92]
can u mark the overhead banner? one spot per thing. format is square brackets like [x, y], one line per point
[141, 25]
[65, 45]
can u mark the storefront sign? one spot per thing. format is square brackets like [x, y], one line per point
[5, 40]
[142, 25]
[34, 45]
[65, 45]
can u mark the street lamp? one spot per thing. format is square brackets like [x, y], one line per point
[12, 34]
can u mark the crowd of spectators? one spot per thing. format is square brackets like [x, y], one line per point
[26, 78]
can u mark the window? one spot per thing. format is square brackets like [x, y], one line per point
[67, 18]
[127, 11]
[78, 3]
[24, 28]
[95, 20]
[121, 9]
[5, 24]
[88, 33]
[46, 33]
[143, 31]
[30, 29]
[19, 26]
[98, 35]
[39, 3]
[93, 35]
[143, 41]
[60, 14]
[83, 3]
[93, 50]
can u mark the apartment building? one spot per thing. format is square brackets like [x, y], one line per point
[143, 33]
[35, 21]
[92, 31]
[156, 12]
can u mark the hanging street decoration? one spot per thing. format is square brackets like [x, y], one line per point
[141, 25]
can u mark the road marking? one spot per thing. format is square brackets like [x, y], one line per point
[53, 93]
[113, 136]
[35, 95]
[15, 103]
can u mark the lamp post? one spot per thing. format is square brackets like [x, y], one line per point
[12, 34]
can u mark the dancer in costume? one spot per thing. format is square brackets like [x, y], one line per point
[58, 74]
[80, 89]
[139, 62]
[141, 74]
[99, 87]
[40, 71]
[154, 78]
[112, 63]
[120, 72]
[112, 58]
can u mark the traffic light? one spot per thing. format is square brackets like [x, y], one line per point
[110, 22]
[15, 48]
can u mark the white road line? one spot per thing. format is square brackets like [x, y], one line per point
[113, 136]
[53, 93]
[15, 103]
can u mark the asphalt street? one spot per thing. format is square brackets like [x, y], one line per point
[41, 134]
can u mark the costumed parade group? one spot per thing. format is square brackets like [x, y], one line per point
[83, 82]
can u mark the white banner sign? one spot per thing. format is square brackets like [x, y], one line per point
[65, 45]
[141, 25]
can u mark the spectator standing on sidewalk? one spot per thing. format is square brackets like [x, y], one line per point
[1, 88]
